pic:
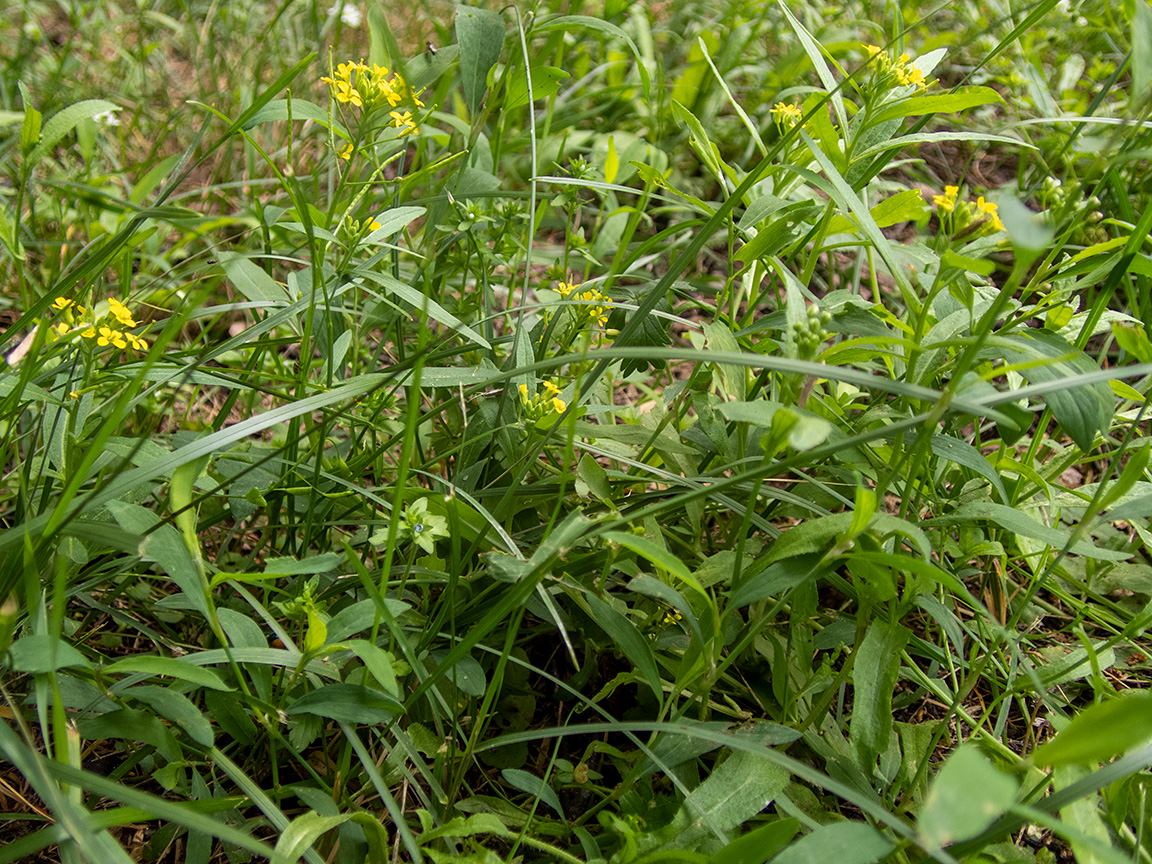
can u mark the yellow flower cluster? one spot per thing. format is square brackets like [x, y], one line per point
[785, 115]
[908, 75]
[542, 404]
[369, 87]
[595, 313]
[103, 333]
[902, 70]
[983, 213]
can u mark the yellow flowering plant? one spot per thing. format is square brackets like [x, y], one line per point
[959, 217]
[889, 71]
[111, 328]
[543, 407]
[369, 88]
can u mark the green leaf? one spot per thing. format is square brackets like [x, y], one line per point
[816, 535]
[1027, 230]
[394, 219]
[30, 129]
[175, 706]
[815, 54]
[906, 206]
[425, 304]
[480, 34]
[349, 703]
[672, 750]
[939, 103]
[777, 578]
[963, 453]
[805, 430]
[634, 646]
[163, 544]
[1100, 732]
[545, 81]
[742, 786]
[478, 823]
[378, 662]
[842, 842]
[42, 652]
[611, 161]
[1014, 521]
[8, 236]
[874, 674]
[980, 266]
[251, 281]
[1141, 51]
[593, 477]
[658, 555]
[964, 799]
[285, 566]
[534, 786]
[1133, 340]
[131, 725]
[700, 141]
[170, 667]
[277, 109]
[758, 845]
[63, 122]
[304, 830]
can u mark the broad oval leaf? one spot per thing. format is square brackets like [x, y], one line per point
[842, 842]
[964, 799]
[349, 703]
[480, 33]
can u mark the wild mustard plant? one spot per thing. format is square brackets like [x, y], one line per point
[371, 88]
[112, 328]
[590, 311]
[889, 71]
[543, 404]
[959, 217]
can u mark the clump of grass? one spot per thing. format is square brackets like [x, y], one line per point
[710, 433]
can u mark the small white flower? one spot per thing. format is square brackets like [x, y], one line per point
[107, 118]
[350, 15]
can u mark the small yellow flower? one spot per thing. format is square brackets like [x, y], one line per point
[108, 336]
[550, 387]
[345, 92]
[402, 120]
[120, 312]
[62, 328]
[524, 392]
[559, 405]
[786, 115]
[62, 303]
[947, 201]
[373, 224]
[564, 289]
[90, 333]
[347, 152]
[988, 210]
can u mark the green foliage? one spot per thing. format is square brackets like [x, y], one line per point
[639, 433]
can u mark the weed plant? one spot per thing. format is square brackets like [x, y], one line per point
[704, 432]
